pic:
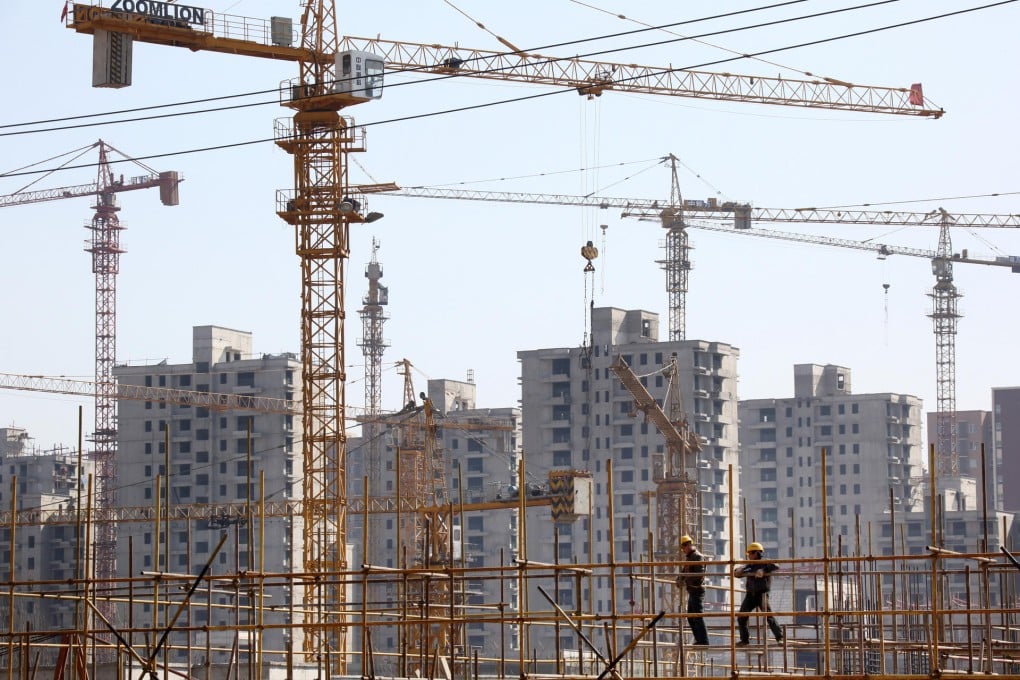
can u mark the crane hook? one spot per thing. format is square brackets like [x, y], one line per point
[589, 252]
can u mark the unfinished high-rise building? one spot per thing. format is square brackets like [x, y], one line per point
[47, 484]
[872, 444]
[187, 459]
[578, 416]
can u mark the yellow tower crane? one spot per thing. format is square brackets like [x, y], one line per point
[335, 73]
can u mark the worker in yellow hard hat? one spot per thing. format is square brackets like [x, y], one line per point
[692, 577]
[758, 581]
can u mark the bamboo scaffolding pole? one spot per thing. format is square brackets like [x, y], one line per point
[10, 571]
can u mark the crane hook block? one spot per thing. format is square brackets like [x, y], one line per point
[589, 252]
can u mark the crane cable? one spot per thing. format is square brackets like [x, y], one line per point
[665, 29]
[46, 173]
[589, 128]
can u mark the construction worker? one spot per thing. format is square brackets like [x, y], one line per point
[692, 577]
[758, 575]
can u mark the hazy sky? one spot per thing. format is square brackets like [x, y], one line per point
[470, 283]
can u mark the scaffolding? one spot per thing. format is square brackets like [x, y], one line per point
[853, 613]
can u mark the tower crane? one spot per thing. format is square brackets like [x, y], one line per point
[677, 498]
[337, 73]
[373, 317]
[104, 245]
[372, 320]
[674, 217]
[945, 315]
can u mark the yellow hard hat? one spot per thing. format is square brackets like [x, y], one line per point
[685, 539]
[755, 547]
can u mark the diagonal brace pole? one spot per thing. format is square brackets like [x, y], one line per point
[1010, 556]
[577, 628]
[630, 646]
[183, 605]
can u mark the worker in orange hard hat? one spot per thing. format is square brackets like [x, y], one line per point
[758, 575]
[692, 577]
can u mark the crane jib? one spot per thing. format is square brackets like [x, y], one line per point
[154, 9]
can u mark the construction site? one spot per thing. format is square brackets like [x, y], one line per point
[235, 516]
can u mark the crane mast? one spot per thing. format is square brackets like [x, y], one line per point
[372, 343]
[945, 317]
[677, 264]
[320, 139]
[106, 250]
[373, 317]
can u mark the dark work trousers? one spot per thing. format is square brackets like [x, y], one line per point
[757, 601]
[695, 605]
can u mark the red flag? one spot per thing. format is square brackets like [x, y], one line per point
[916, 95]
[63, 12]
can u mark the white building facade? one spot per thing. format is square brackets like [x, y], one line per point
[578, 416]
[219, 464]
[873, 449]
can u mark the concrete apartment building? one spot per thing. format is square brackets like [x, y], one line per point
[482, 447]
[873, 447]
[1006, 438]
[577, 416]
[47, 549]
[215, 458]
[962, 531]
[973, 430]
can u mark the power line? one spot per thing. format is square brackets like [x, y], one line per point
[524, 98]
[920, 200]
[547, 173]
